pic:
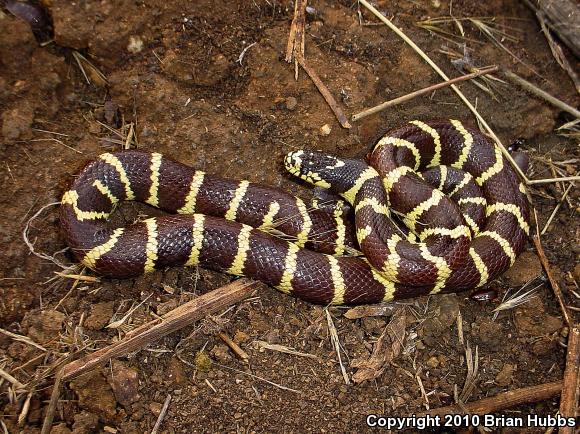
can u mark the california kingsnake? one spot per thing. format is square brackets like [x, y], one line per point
[264, 233]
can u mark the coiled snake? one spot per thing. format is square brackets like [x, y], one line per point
[465, 211]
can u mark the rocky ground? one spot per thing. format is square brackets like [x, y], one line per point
[169, 76]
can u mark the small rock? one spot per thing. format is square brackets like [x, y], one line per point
[44, 326]
[124, 381]
[99, 315]
[291, 103]
[432, 362]
[576, 273]
[221, 353]
[135, 44]
[155, 408]
[168, 306]
[95, 394]
[273, 336]
[505, 376]
[61, 428]
[527, 267]
[85, 422]
[531, 319]
[17, 123]
[325, 130]
[240, 337]
[176, 372]
[15, 302]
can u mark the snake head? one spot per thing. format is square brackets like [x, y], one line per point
[314, 167]
[323, 170]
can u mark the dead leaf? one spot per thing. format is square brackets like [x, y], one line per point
[387, 348]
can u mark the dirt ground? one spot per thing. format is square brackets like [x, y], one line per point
[175, 71]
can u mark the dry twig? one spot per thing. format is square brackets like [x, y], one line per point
[234, 347]
[283, 349]
[502, 401]
[150, 332]
[571, 386]
[542, 94]
[552, 279]
[336, 344]
[426, 90]
[162, 414]
[325, 93]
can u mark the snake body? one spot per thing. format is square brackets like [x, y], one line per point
[465, 213]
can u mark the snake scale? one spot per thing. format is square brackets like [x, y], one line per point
[435, 208]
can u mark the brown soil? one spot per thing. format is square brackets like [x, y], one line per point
[172, 69]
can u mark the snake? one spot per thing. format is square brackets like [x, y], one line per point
[435, 207]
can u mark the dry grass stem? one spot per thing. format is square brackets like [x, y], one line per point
[472, 361]
[552, 180]
[31, 246]
[234, 347]
[552, 278]
[517, 299]
[556, 208]
[283, 349]
[25, 409]
[21, 338]
[558, 53]
[542, 94]
[279, 386]
[426, 90]
[162, 414]
[460, 335]
[571, 387]
[60, 142]
[91, 73]
[118, 323]
[81, 277]
[423, 393]
[17, 384]
[336, 344]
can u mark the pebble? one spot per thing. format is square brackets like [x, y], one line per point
[45, 326]
[576, 273]
[291, 103]
[95, 395]
[124, 381]
[325, 130]
[61, 428]
[155, 408]
[99, 315]
[432, 362]
[85, 422]
[505, 376]
[135, 44]
[17, 123]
